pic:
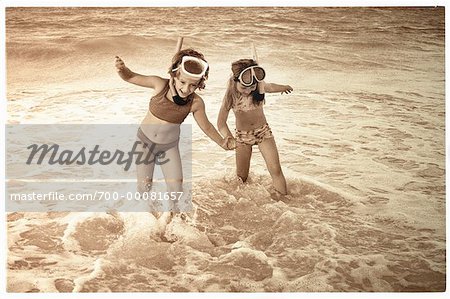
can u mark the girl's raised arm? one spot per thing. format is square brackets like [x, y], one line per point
[272, 88]
[134, 78]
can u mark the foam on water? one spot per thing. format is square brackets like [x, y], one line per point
[237, 239]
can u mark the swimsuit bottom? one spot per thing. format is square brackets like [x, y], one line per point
[255, 136]
[157, 148]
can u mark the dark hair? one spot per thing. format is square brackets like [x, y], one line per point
[176, 60]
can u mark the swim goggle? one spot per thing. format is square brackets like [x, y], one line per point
[193, 67]
[249, 75]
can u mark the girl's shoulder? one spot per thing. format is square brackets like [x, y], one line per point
[160, 84]
[197, 102]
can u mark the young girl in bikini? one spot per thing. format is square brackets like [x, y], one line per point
[245, 95]
[174, 99]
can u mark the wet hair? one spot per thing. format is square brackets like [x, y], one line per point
[232, 93]
[190, 66]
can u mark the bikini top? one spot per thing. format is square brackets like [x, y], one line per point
[245, 104]
[164, 109]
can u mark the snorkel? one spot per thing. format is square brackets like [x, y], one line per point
[258, 95]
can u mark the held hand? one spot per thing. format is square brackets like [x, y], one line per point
[120, 65]
[229, 143]
[287, 89]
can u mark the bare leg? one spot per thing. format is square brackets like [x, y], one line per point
[145, 175]
[269, 151]
[173, 175]
[243, 155]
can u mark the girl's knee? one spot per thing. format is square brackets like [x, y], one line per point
[175, 185]
[174, 181]
[145, 185]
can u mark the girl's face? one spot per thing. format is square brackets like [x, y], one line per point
[245, 90]
[185, 85]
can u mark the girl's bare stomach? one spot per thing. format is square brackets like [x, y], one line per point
[158, 130]
[250, 120]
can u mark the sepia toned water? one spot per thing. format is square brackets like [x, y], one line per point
[361, 143]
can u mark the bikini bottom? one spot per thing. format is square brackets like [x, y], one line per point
[156, 148]
[255, 136]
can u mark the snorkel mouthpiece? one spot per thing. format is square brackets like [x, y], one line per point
[179, 100]
[259, 97]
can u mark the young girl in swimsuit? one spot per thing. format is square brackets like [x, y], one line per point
[245, 95]
[174, 99]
